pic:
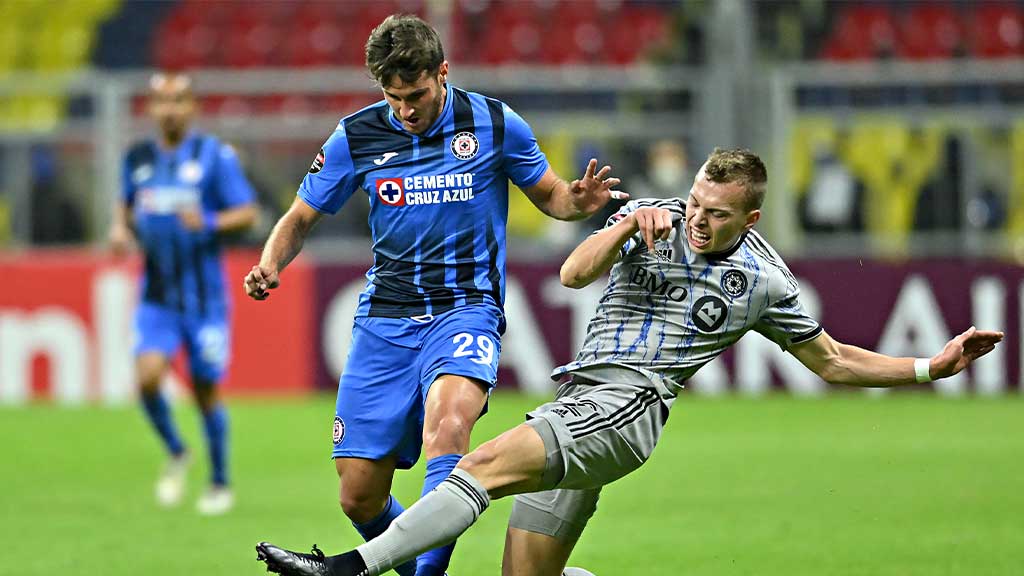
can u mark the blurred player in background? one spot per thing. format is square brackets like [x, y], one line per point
[435, 161]
[688, 279]
[182, 190]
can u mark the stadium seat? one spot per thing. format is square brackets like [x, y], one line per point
[640, 27]
[996, 30]
[930, 32]
[861, 32]
[185, 40]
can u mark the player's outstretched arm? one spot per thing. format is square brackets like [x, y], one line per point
[285, 242]
[595, 255]
[578, 199]
[839, 363]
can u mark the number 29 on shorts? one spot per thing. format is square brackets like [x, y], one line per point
[482, 353]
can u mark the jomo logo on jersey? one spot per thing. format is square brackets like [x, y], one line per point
[419, 190]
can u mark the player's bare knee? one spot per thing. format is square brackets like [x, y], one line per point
[359, 506]
[479, 461]
[450, 435]
[149, 383]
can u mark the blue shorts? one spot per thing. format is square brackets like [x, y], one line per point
[390, 367]
[207, 338]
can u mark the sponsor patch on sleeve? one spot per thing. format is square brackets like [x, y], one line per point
[318, 162]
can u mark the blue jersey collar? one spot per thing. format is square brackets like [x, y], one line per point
[439, 122]
[189, 137]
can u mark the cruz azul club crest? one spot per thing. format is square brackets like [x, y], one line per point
[338, 430]
[465, 145]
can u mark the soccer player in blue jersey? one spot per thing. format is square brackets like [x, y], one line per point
[688, 278]
[181, 191]
[435, 162]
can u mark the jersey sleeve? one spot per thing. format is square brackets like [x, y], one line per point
[233, 187]
[522, 158]
[785, 321]
[331, 180]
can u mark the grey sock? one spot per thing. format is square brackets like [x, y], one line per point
[435, 520]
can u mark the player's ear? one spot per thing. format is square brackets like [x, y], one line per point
[752, 217]
[442, 72]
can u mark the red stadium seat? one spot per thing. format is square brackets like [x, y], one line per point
[314, 45]
[930, 32]
[182, 46]
[995, 31]
[579, 38]
[637, 29]
[861, 32]
[518, 43]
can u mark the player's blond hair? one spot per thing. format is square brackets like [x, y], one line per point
[742, 167]
[403, 45]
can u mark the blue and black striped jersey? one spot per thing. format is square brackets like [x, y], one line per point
[182, 267]
[438, 201]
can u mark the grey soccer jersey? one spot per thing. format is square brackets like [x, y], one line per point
[667, 314]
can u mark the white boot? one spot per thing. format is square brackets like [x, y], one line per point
[170, 487]
[215, 501]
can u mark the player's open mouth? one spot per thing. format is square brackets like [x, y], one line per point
[699, 239]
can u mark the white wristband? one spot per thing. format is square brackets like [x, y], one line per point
[921, 369]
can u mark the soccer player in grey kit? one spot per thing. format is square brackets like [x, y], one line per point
[688, 279]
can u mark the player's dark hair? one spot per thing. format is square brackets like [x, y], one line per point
[403, 45]
[740, 166]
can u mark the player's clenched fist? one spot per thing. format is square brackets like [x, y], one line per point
[653, 224]
[259, 282]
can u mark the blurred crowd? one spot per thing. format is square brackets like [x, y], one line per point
[889, 173]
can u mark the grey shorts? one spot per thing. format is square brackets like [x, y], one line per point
[594, 434]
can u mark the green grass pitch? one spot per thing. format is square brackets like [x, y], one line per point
[845, 485]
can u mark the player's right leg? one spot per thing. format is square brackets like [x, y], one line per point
[158, 336]
[376, 427]
[208, 341]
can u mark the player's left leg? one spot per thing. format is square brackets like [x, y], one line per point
[543, 530]
[218, 497]
[208, 347]
[458, 366]
[534, 554]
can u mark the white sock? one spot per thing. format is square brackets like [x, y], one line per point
[435, 520]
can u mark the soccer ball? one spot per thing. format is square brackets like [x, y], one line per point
[577, 572]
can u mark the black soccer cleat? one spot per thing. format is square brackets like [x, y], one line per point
[288, 563]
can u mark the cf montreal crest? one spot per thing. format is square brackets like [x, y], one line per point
[708, 313]
[465, 145]
[318, 162]
[338, 434]
[734, 283]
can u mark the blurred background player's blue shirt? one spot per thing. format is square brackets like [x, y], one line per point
[182, 267]
[438, 201]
